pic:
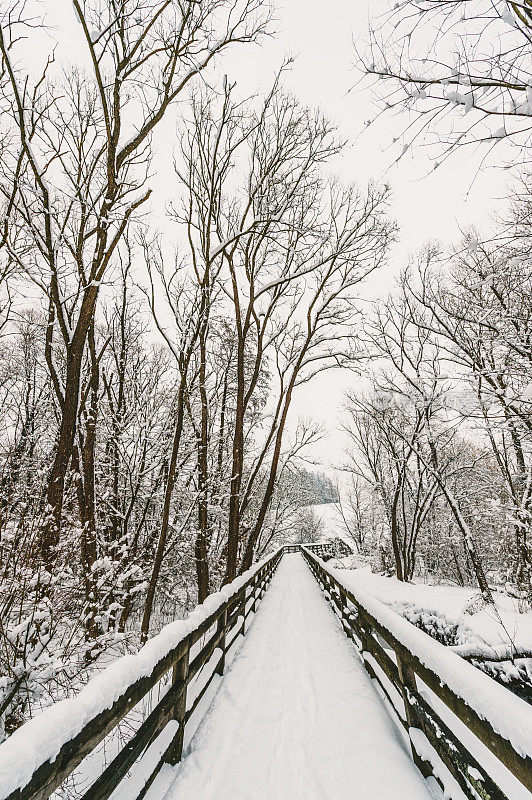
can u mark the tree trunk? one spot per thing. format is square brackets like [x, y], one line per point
[163, 533]
[233, 534]
[56, 481]
[202, 537]
[67, 430]
[83, 466]
[270, 487]
[394, 530]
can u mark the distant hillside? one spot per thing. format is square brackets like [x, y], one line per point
[315, 487]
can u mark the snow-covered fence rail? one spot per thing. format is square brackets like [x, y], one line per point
[321, 549]
[44, 751]
[329, 549]
[470, 733]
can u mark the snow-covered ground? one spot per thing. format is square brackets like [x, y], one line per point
[502, 625]
[296, 717]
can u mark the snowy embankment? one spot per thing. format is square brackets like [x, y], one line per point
[40, 739]
[494, 627]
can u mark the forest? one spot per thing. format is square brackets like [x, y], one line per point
[150, 359]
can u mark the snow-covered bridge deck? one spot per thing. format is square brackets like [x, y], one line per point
[296, 715]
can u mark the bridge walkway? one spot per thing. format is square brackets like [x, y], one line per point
[296, 716]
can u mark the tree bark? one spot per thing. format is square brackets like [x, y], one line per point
[163, 533]
[69, 412]
[202, 537]
[233, 534]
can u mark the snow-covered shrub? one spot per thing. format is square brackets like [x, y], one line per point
[354, 561]
[436, 624]
[513, 672]
[516, 675]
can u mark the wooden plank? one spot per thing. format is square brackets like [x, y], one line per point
[239, 632]
[222, 627]
[204, 688]
[456, 757]
[204, 654]
[180, 677]
[384, 661]
[414, 719]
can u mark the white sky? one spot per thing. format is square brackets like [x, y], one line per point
[434, 207]
[320, 35]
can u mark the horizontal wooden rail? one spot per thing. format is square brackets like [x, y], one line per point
[217, 631]
[397, 671]
[329, 549]
[321, 549]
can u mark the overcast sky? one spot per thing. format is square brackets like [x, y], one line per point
[427, 206]
[321, 35]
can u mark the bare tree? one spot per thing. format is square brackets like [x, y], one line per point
[292, 250]
[388, 462]
[189, 307]
[85, 158]
[462, 69]
[413, 376]
[480, 310]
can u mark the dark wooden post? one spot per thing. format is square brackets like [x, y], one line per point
[243, 612]
[344, 612]
[254, 593]
[179, 680]
[364, 631]
[407, 677]
[221, 626]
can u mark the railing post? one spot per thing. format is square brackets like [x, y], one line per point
[221, 626]
[364, 631]
[179, 678]
[344, 612]
[243, 610]
[254, 593]
[407, 677]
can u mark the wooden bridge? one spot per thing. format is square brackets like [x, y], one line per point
[295, 715]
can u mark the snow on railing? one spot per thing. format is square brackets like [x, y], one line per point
[424, 681]
[44, 751]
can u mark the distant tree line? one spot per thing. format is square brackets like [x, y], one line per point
[315, 487]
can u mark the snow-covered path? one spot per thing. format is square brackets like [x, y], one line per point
[296, 716]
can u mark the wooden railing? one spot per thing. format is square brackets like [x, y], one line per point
[216, 632]
[331, 549]
[321, 549]
[404, 678]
